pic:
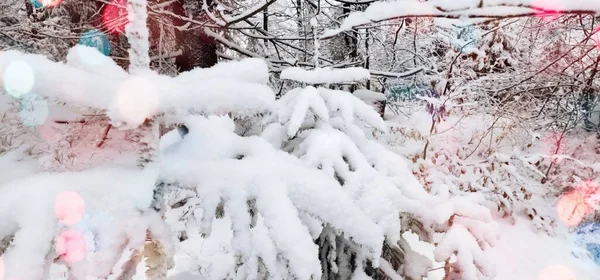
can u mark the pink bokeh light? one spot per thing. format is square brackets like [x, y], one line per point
[70, 246]
[1, 268]
[48, 131]
[114, 16]
[69, 207]
[596, 38]
[51, 3]
[557, 272]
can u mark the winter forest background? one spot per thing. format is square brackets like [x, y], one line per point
[299, 139]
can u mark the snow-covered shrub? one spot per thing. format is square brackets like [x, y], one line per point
[332, 131]
[93, 88]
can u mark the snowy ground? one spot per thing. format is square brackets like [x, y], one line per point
[522, 254]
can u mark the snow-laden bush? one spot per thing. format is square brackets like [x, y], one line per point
[312, 196]
[314, 179]
[330, 130]
[80, 136]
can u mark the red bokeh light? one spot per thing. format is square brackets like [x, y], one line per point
[574, 206]
[114, 16]
[547, 10]
[70, 246]
[69, 207]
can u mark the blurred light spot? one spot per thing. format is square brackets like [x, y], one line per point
[71, 246]
[571, 209]
[96, 39]
[596, 38]
[33, 110]
[114, 16]
[51, 3]
[48, 131]
[36, 4]
[45, 3]
[557, 272]
[574, 206]
[1, 268]
[69, 207]
[547, 10]
[18, 78]
[137, 99]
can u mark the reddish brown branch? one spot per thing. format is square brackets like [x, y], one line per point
[106, 130]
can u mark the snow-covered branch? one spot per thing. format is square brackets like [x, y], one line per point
[138, 36]
[131, 99]
[481, 9]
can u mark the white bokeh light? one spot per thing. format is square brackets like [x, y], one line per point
[18, 78]
[137, 99]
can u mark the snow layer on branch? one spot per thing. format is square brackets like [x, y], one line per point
[252, 70]
[348, 106]
[369, 96]
[325, 75]
[131, 99]
[380, 11]
[301, 108]
[94, 62]
[284, 188]
[113, 200]
[62, 82]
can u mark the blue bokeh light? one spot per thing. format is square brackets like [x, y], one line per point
[96, 39]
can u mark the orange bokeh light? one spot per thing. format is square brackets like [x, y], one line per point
[557, 272]
[574, 206]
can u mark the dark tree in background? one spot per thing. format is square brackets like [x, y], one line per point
[198, 49]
